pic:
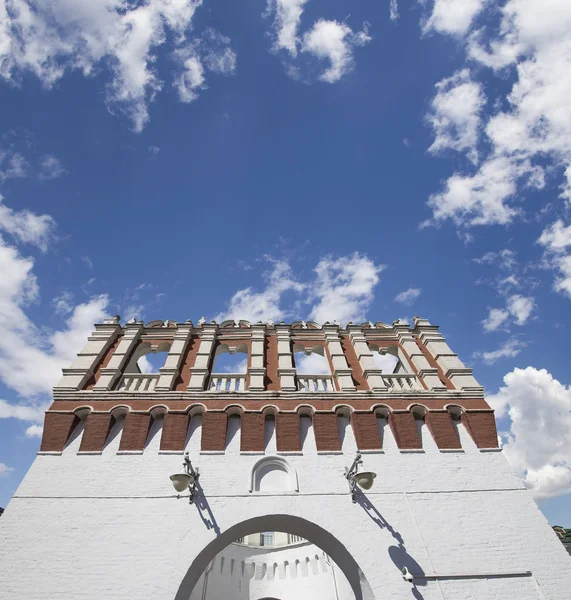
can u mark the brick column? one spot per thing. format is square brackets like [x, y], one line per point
[84, 366]
[170, 370]
[200, 371]
[404, 430]
[366, 431]
[113, 371]
[252, 432]
[326, 432]
[175, 428]
[371, 372]
[442, 429]
[257, 370]
[288, 434]
[482, 427]
[57, 429]
[135, 432]
[214, 426]
[452, 367]
[341, 370]
[97, 429]
[286, 370]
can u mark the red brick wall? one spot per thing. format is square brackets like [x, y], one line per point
[135, 431]
[442, 429]
[175, 428]
[366, 431]
[404, 429]
[272, 377]
[252, 434]
[288, 435]
[97, 428]
[188, 359]
[57, 429]
[214, 431]
[326, 432]
[482, 428]
[351, 356]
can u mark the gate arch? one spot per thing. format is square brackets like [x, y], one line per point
[288, 524]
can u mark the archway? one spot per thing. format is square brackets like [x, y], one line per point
[285, 523]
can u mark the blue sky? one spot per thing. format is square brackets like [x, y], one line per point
[292, 159]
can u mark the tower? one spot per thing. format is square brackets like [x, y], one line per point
[274, 451]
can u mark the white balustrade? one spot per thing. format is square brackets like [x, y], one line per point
[139, 382]
[399, 382]
[315, 383]
[227, 382]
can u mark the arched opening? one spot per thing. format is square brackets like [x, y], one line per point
[312, 368]
[270, 571]
[419, 414]
[148, 358]
[229, 368]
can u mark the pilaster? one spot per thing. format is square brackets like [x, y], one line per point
[371, 372]
[83, 367]
[341, 369]
[452, 367]
[199, 372]
[170, 370]
[257, 371]
[113, 371]
[286, 370]
[427, 373]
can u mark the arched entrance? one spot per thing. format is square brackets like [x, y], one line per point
[286, 523]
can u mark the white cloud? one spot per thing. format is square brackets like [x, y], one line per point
[505, 259]
[556, 240]
[509, 349]
[191, 80]
[453, 17]
[31, 412]
[34, 431]
[455, 114]
[496, 318]
[286, 23]
[5, 469]
[482, 198]
[529, 137]
[31, 359]
[313, 364]
[520, 308]
[394, 10]
[408, 296]
[26, 226]
[12, 165]
[334, 41]
[538, 444]
[261, 306]
[344, 288]
[51, 168]
[63, 304]
[49, 39]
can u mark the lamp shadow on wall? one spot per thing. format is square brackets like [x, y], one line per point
[399, 555]
[204, 509]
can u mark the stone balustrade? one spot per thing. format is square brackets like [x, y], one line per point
[315, 383]
[227, 382]
[138, 382]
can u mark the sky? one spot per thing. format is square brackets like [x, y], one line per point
[292, 159]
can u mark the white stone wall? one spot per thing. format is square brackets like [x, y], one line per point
[109, 526]
[299, 572]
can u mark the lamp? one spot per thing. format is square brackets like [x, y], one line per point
[364, 479]
[188, 479]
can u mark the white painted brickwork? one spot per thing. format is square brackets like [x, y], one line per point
[93, 527]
